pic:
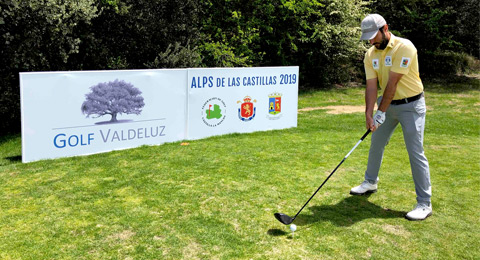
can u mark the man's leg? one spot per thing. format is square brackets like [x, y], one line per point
[412, 120]
[379, 140]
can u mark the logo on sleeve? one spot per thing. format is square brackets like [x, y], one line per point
[375, 64]
[388, 61]
[405, 62]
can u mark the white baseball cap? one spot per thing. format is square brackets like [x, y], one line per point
[370, 26]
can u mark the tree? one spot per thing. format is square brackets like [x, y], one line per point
[445, 33]
[38, 35]
[320, 36]
[112, 98]
[65, 35]
[137, 34]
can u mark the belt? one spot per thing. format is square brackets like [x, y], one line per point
[406, 100]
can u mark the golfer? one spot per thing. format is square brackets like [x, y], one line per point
[392, 62]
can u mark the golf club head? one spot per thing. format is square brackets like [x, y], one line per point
[285, 219]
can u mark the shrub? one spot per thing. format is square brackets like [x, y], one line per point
[319, 36]
[52, 35]
[36, 35]
[439, 29]
[177, 56]
[446, 63]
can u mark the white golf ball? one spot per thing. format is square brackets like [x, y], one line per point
[293, 227]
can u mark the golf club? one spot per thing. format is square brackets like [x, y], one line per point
[285, 219]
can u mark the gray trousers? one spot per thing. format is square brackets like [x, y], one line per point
[411, 117]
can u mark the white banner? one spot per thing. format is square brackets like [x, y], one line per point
[241, 100]
[86, 112]
[77, 113]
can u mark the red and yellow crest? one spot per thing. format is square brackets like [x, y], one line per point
[275, 103]
[247, 109]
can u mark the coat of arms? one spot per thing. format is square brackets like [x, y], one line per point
[275, 103]
[247, 110]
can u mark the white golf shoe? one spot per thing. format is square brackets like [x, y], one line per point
[421, 212]
[364, 188]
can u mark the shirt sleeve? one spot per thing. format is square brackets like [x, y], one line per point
[403, 59]
[370, 73]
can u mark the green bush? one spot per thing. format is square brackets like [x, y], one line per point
[319, 36]
[446, 63]
[177, 56]
[37, 35]
[52, 35]
[131, 34]
[10, 104]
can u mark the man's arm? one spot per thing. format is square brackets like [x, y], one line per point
[389, 93]
[370, 99]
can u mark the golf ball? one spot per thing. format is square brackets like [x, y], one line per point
[293, 227]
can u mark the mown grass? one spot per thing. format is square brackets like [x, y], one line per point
[215, 198]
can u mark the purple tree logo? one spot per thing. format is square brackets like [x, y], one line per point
[113, 98]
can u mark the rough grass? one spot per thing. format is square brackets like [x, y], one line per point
[215, 198]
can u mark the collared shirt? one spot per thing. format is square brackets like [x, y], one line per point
[399, 56]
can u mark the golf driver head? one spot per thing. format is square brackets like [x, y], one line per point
[285, 219]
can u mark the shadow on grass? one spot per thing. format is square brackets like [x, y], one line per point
[276, 232]
[14, 159]
[8, 138]
[343, 214]
[10, 160]
[347, 212]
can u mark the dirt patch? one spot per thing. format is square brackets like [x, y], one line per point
[192, 250]
[126, 234]
[336, 110]
[396, 230]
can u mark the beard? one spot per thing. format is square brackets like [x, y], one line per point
[383, 44]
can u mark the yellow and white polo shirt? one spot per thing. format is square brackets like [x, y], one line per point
[399, 56]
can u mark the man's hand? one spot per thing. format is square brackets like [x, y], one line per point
[378, 118]
[370, 123]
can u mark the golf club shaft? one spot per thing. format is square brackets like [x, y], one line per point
[359, 141]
